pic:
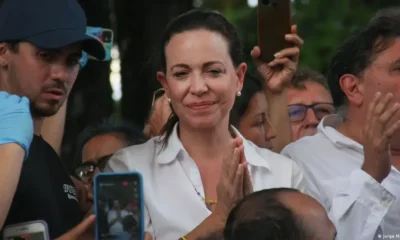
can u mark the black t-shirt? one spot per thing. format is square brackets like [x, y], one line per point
[45, 192]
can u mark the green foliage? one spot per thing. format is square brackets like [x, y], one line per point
[323, 24]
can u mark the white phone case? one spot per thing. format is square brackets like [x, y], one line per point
[35, 227]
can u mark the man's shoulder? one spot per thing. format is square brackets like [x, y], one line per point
[307, 144]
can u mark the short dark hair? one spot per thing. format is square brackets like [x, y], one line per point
[360, 50]
[307, 75]
[262, 216]
[13, 45]
[194, 20]
[252, 84]
[130, 132]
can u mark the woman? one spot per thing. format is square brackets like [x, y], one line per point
[250, 114]
[195, 173]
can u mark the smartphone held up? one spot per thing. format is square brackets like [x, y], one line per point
[119, 204]
[274, 22]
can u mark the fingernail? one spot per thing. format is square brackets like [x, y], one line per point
[288, 36]
[277, 55]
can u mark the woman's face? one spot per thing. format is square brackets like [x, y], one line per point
[200, 78]
[255, 124]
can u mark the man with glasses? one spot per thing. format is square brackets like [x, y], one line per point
[309, 101]
[354, 159]
[95, 146]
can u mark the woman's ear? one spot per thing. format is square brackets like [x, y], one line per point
[163, 81]
[240, 74]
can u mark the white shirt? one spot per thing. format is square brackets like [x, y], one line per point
[170, 176]
[359, 206]
[117, 227]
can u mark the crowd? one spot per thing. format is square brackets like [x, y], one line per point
[277, 154]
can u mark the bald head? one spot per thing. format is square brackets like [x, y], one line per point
[310, 216]
[279, 214]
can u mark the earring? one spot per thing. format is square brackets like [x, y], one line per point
[238, 93]
[169, 100]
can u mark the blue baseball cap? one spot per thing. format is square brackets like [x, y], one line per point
[47, 24]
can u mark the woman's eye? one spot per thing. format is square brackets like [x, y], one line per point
[215, 72]
[180, 74]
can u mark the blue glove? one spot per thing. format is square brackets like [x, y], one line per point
[16, 124]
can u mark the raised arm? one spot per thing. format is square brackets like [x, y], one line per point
[16, 133]
[277, 74]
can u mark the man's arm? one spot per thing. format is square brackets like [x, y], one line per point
[355, 204]
[278, 113]
[12, 157]
[16, 134]
[359, 209]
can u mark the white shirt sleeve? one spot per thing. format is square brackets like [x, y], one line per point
[117, 164]
[359, 207]
[356, 204]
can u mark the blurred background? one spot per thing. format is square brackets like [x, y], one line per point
[123, 88]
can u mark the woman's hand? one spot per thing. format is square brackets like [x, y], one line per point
[278, 73]
[247, 184]
[231, 183]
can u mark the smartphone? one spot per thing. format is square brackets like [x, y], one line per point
[106, 36]
[274, 22]
[36, 230]
[118, 199]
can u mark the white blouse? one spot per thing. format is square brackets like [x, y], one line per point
[171, 178]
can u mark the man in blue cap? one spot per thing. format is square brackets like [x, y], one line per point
[41, 42]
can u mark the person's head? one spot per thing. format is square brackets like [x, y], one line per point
[366, 63]
[98, 142]
[116, 205]
[309, 101]
[279, 214]
[41, 43]
[159, 114]
[202, 69]
[250, 113]
[129, 207]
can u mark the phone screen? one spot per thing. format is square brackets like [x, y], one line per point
[28, 236]
[118, 213]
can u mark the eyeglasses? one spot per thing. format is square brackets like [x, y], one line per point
[156, 95]
[86, 170]
[298, 112]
